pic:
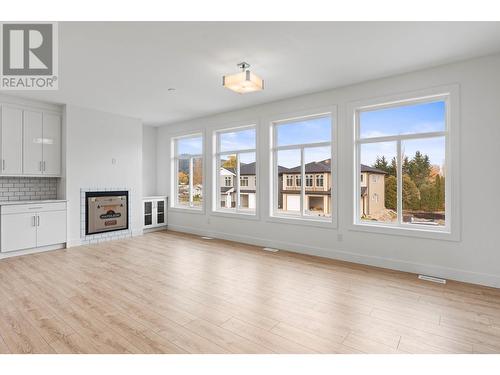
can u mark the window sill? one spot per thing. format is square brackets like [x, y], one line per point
[327, 224]
[235, 214]
[406, 231]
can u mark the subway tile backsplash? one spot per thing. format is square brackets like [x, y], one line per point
[28, 188]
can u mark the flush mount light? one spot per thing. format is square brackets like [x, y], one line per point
[243, 82]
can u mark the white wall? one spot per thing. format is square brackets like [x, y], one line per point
[149, 135]
[93, 140]
[476, 258]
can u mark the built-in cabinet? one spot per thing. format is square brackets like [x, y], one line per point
[31, 142]
[154, 212]
[33, 225]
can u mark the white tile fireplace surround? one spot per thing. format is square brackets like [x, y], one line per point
[107, 236]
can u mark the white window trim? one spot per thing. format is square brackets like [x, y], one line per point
[276, 217]
[451, 231]
[174, 204]
[216, 207]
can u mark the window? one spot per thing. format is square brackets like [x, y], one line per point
[402, 149]
[297, 181]
[235, 160]
[309, 180]
[319, 180]
[302, 148]
[188, 171]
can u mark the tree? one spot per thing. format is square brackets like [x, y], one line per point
[183, 178]
[411, 194]
[419, 168]
[439, 188]
[428, 201]
[393, 169]
[381, 163]
[230, 162]
[391, 192]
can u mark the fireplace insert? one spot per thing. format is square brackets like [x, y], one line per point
[106, 211]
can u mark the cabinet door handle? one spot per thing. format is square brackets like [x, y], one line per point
[44, 166]
[34, 220]
[40, 166]
[37, 220]
[3, 164]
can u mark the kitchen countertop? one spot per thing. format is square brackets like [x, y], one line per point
[8, 203]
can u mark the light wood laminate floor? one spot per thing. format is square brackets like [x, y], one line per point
[167, 292]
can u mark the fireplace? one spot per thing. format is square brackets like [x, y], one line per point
[106, 211]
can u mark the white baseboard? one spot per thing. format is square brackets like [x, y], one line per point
[35, 250]
[394, 264]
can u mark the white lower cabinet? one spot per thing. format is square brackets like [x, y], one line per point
[18, 231]
[154, 212]
[29, 226]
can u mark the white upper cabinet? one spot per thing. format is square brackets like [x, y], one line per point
[11, 124]
[33, 143]
[51, 144]
[30, 141]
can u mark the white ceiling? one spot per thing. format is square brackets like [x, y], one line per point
[127, 68]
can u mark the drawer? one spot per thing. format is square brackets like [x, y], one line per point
[33, 207]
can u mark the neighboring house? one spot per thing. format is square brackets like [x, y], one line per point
[248, 181]
[318, 190]
[372, 191]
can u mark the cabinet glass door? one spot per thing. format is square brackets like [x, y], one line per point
[160, 212]
[148, 213]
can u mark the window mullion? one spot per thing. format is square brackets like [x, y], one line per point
[191, 182]
[302, 185]
[237, 182]
[399, 183]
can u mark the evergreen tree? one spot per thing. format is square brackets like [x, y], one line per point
[428, 200]
[393, 168]
[439, 188]
[391, 194]
[419, 168]
[381, 163]
[411, 194]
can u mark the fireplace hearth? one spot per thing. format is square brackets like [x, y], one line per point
[106, 211]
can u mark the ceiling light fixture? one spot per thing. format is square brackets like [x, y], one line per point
[243, 82]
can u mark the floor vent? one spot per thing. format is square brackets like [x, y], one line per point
[206, 238]
[270, 249]
[432, 278]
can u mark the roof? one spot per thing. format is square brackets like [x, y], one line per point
[366, 168]
[314, 167]
[225, 189]
[247, 169]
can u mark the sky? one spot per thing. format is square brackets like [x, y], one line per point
[304, 131]
[238, 140]
[191, 145]
[409, 119]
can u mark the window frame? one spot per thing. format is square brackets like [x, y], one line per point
[450, 95]
[217, 208]
[275, 121]
[174, 202]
